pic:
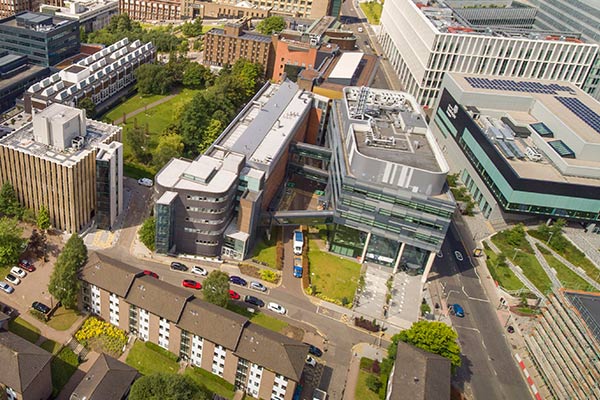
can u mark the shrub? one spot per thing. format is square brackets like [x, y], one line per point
[38, 315]
[366, 364]
[345, 301]
[373, 383]
[425, 309]
[269, 276]
[376, 368]
[366, 324]
[305, 272]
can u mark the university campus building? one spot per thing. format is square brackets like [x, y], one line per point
[67, 163]
[524, 148]
[423, 40]
[261, 362]
[92, 15]
[16, 75]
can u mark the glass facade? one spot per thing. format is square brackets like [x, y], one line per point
[347, 241]
[103, 199]
[165, 216]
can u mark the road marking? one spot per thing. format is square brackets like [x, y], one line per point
[473, 298]
[468, 328]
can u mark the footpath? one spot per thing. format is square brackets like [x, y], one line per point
[147, 107]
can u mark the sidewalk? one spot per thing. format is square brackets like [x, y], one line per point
[358, 351]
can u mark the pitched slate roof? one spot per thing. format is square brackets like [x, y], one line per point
[158, 297]
[213, 323]
[273, 350]
[109, 274]
[108, 378]
[419, 374]
[21, 361]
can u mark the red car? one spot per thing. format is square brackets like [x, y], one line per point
[233, 295]
[26, 265]
[191, 284]
[152, 274]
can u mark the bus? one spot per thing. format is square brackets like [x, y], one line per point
[298, 242]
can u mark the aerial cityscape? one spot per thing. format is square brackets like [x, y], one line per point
[300, 199]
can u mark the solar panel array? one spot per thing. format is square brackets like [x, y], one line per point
[517, 86]
[584, 113]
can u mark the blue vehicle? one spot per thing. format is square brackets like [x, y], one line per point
[236, 280]
[457, 310]
[298, 267]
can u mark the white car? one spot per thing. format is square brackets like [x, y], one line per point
[18, 272]
[145, 182]
[360, 29]
[6, 287]
[279, 309]
[12, 279]
[458, 255]
[311, 361]
[198, 270]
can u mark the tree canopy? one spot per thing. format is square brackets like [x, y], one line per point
[167, 386]
[11, 241]
[147, 233]
[88, 105]
[9, 204]
[216, 288]
[64, 284]
[271, 25]
[192, 29]
[43, 219]
[434, 337]
[153, 79]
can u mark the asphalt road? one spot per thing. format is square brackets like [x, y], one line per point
[488, 369]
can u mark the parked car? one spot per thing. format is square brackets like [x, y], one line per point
[278, 308]
[458, 255]
[145, 182]
[152, 274]
[255, 301]
[26, 265]
[6, 287]
[198, 270]
[311, 361]
[177, 266]
[18, 272]
[315, 351]
[457, 310]
[12, 279]
[236, 280]
[189, 283]
[41, 307]
[233, 295]
[258, 286]
[360, 29]
[510, 329]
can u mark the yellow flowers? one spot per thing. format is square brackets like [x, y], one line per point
[95, 328]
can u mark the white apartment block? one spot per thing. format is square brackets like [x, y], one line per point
[423, 40]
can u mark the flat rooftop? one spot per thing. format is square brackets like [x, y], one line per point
[246, 35]
[588, 306]
[265, 126]
[512, 20]
[391, 127]
[346, 65]
[35, 21]
[23, 140]
[559, 114]
[31, 70]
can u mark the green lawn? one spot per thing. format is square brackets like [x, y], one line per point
[148, 361]
[501, 273]
[571, 253]
[372, 10]
[566, 276]
[334, 276]
[525, 258]
[131, 104]
[24, 329]
[259, 318]
[212, 382]
[362, 391]
[51, 346]
[266, 250]
[64, 365]
[63, 319]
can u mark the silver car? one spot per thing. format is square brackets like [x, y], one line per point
[258, 286]
[6, 287]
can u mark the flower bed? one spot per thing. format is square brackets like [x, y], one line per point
[101, 336]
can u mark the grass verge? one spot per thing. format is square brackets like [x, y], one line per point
[266, 250]
[51, 346]
[372, 10]
[259, 318]
[64, 365]
[212, 382]
[362, 391]
[333, 276]
[500, 272]
[565, 275]
[63, 319]
[20, 327]
[133, 103]
[149, 361]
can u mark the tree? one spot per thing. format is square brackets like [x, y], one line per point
[43, 219]
[137, 139]
[167, 386]
[88, 105]
[271, 25]
[195, 75]
[248, 75]
[434, 337]
[169, 146]
[64, 284]
[11, 242]
[516, 235]
[153, 79]
[147, 233]
[192, 29]
[373, 383]
[211, 133]
[216, 288]
[37, 243]
[9, 204]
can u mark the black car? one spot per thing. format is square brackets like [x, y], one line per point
[236, 280]
[255, 301]
[177, 266]
[315, 351]
[41, 307]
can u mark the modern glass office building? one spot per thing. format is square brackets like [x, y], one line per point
[523, 148]
[387, 180]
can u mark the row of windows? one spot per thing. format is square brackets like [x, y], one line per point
[206, 210]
